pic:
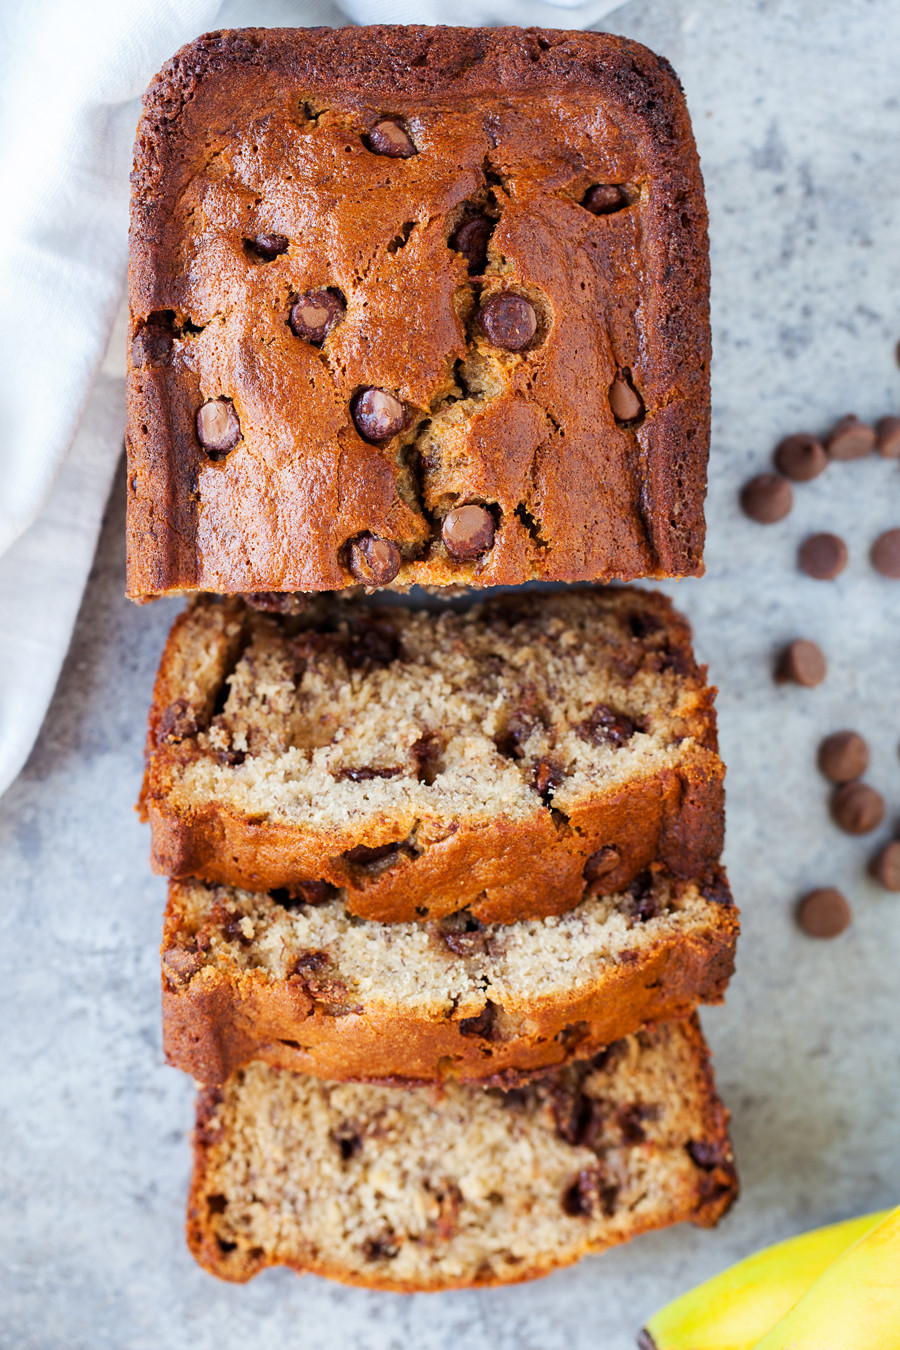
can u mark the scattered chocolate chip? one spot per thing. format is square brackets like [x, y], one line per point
[390, 137]
[605, 726]
[850, 439]
[467, 532]
[371, 643]
[314, 314]
[266, 247]
[347, 1140]
[365, 774]
[218, 428]
[578, 1117]
[843, 756]
[705, 1154]
[601, 863]
[303, 893]
[887, 437]
[463, 933]
[427, 754]
[767, 498]
[885, 866]
[886, 554]
[382, 1248]
[630, 1120]
[509, 321]
[589, 1194]
[823, 913]
[178, 722]
[857, 808]
[604, 198]
[482, 1025]
[546, 776]
[717, 892]
[803, 662]
[378, 415]
[801, 457]
[276, 602]
[363, 856]
[644, 899]
[471, 240]
[153, 340]
[373, 561]
[823, 556]
[624, 400]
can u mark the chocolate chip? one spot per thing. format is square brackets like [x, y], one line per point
[467, 532]
[801, 457]
[823, 913]
[266, 247]
[153, 340]
[885, 866]
[887, 437]
[589, 1194]
[823, 556]
[545, 776]
[366, 774]
[276, 602]
[803, 662]
[857, 808]
[373, 561]
[482, 1025]
[463, 933]
[180, 965]
[577, 1117]
[509, 321]
[850, 439]
[605, 726]
[767, 498]
[644, 899]
[390, 137]
[843, 756]
[314, 314]
[601, 863]
[378, 415]
[886, 554]
[705, 1154]
[178, 722]
[363, 856]
[382, 1248]
[218, 428]
[471, 240]
[303, 893]
[603, 198]
[624, 400]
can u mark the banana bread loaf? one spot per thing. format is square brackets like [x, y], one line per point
[437, 1188]
[415, 305]
[312, 988]
[495, 758]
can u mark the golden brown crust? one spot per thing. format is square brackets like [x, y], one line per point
[216, 1019]
[703, 1201]
[576, 495]
[502, 870]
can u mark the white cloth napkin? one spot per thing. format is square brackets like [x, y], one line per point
[70, 81]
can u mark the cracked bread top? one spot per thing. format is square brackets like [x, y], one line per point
[415, 305]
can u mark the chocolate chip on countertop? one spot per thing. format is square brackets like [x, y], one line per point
[843, 756]
[823, 913]
[373, 561]
[267, 247]
[850, 439]
[378, 414]
[857, 808]
[886, 554]
[801, 457]
[218, 428]
[390, 137]
[509, 321]
[471, 240]
[885, 866]
[887, 437]
[604, 198]
[467, 532]
[624, 400]
[803, 662]
[823, 556]
[767, 498]
[314, 314]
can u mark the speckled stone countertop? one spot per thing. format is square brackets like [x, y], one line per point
[797, 115]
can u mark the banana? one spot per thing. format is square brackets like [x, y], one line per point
[734, 1309]
[854, 1304]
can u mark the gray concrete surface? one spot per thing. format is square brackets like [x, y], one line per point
[796, 111]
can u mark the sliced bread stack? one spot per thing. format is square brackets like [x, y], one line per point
[445, 882]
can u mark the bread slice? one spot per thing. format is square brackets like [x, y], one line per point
[417, 762]
[314, 989]
[438, 1188]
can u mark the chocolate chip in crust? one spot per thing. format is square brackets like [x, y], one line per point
[843, 756]
[887, 437]
[373, 561]
[823, 913]
[802, 662]
[624, 400]
[390, 137]
[153, 340]
[823, 556]
[218, 428]
[604, 198]
[850, 439]
[601, 863]
[378, 415]
[468, 532]
[314, 314]
[509, 321]
[886, 554]
[471, 240]
[767, 498]
[885, 866]
[857, 808]
[801, 457]
[266, 247]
